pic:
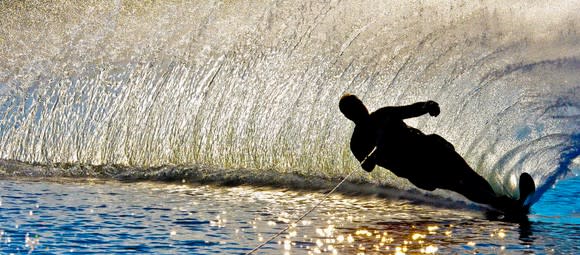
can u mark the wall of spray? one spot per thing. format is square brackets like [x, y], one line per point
[255, 84]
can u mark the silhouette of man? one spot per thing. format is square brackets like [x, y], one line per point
[428, 161]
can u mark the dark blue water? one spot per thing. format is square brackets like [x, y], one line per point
[560, 205]
[107, 217]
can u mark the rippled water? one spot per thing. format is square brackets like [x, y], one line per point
[107, 217]
[204, 91]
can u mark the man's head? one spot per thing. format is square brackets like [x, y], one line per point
[353, 108]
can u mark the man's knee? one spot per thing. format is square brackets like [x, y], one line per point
[423, 184]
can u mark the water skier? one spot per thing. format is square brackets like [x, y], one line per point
[428, 161]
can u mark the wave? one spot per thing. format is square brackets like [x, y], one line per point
[255, 85]
[204, 175]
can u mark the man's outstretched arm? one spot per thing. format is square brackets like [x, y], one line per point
[409, 111]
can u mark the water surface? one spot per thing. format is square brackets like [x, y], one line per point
[108, 217]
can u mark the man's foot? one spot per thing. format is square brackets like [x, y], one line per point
[512, 208]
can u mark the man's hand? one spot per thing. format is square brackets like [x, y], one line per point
[369, 163]
[432, 108]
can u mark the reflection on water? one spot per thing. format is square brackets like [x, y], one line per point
[152, 218]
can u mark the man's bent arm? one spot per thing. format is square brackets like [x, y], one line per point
[409, 111]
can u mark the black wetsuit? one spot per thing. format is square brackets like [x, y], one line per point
[428, 161]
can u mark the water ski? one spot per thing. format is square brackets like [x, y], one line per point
[512, 208]
[527, 189]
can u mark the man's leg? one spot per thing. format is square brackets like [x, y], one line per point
[477, 191]
[472, 186]
[453, 172]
